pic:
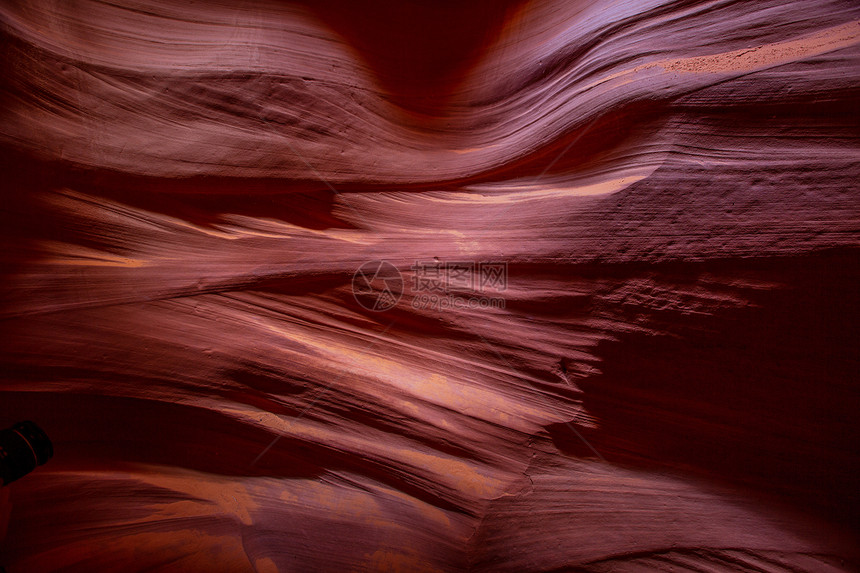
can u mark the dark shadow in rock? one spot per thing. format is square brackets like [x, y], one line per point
[764, 396]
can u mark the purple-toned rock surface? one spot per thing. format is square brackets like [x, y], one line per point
[664, 375]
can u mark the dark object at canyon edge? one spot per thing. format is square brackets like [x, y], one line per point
[23, 447]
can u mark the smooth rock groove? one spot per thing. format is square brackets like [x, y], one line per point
[672, 383]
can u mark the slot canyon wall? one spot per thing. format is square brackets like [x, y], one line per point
[646, 214]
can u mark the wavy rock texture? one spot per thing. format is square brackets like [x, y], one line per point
[672, 382]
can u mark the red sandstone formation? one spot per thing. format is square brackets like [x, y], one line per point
[672, 382]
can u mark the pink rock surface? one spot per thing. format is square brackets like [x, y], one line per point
[671, 384]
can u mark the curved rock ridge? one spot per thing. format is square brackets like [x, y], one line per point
[661, 375]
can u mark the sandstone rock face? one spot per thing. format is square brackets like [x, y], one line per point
[662, 195]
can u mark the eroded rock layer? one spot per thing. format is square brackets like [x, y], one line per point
[669, 382]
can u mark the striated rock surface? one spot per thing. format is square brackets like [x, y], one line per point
[671, 382]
